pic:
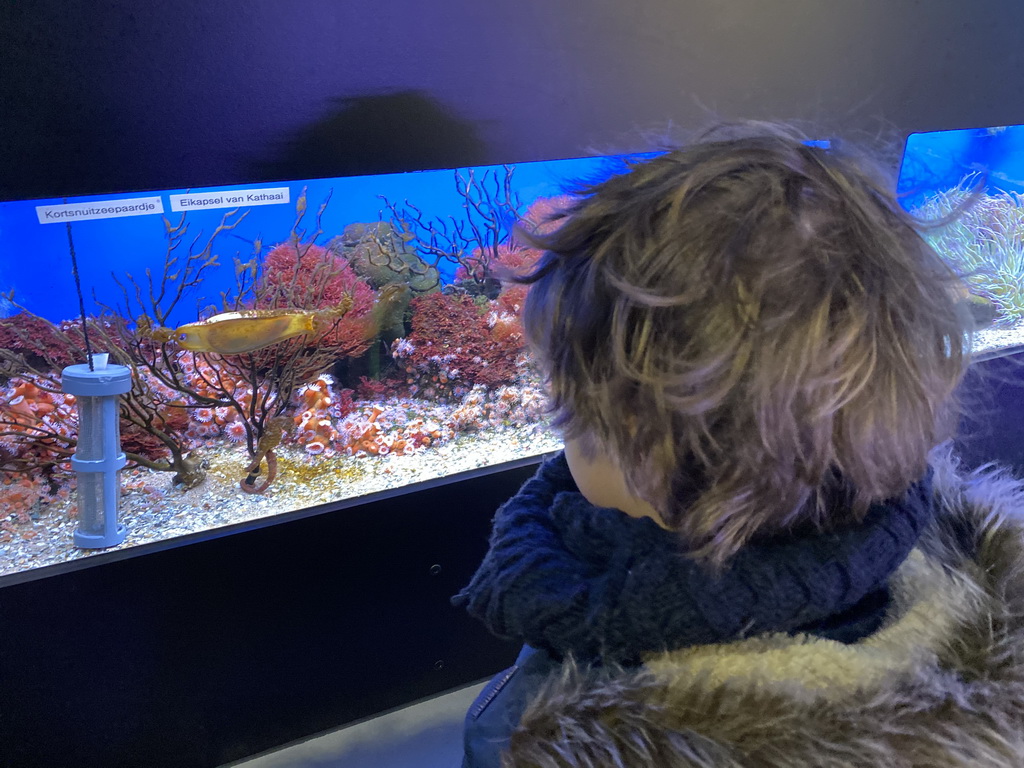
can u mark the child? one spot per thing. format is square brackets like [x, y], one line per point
[749, 553]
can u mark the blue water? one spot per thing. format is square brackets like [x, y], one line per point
[941, 160]
[35, 261]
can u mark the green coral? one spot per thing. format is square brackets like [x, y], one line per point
[380, 254]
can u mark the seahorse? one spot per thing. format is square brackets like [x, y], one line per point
[265, 450]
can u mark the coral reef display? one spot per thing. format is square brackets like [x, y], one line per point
[966, 187]
[305, 343]
[982, 237]
[338, 350]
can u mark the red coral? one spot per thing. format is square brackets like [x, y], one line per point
[344, 402]
[508, 260]
[443, 319]
[453, 346]
[506, 329]
[37, 339]
[309, 276]
[511, 300]
[515, 257]
[373, 389]
[314, 279]
[169, 419]
[56, 346]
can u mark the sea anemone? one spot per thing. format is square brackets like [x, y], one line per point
[205, 415]
[323, 381]
[315, 447]
[235, 431]
[402, 348]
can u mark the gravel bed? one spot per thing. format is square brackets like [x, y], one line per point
[153, 510]
[990, 342]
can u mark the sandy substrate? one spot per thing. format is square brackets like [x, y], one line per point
[154, 510]
[992, 342]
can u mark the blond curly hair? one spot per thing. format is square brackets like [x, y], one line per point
[754, 330]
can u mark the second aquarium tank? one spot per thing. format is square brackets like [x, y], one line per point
[967, 188]
[290, 344]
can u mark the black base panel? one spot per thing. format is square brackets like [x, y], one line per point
[213, 651]
[992, 427]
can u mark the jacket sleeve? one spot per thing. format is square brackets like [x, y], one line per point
[499, 708]
[524, 545]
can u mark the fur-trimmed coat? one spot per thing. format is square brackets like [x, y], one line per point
[940, 684]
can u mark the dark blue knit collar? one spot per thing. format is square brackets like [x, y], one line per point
[570, 577]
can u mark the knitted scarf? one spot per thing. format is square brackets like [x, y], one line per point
[572, 578]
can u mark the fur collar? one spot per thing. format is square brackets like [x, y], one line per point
[940, 684]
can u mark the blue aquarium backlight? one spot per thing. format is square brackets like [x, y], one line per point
[127, 234]
[941, 160]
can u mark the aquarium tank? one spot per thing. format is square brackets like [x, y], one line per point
[291, 344]
[967, 186]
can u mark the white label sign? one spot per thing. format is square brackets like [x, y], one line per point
[105, 209]
[198, 201]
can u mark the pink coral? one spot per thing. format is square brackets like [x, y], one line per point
[318, 405]
[543, 215]
[56, 345]
[504, 261]
[235, 431]
[37, 422]
[361, 435]
[515, 256]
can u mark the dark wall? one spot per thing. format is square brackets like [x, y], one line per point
[116, 94]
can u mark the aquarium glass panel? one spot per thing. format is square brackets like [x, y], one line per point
[292, 343]
[974, 180]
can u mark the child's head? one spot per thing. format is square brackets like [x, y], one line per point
[749, 327]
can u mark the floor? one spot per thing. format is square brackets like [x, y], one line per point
[424, 735]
